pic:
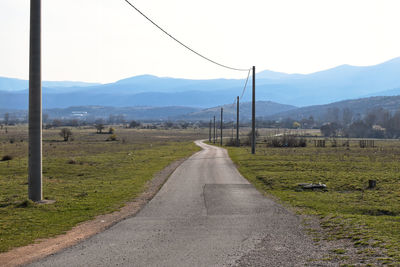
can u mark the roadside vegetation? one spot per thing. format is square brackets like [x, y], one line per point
[85, 174]
[348, 210]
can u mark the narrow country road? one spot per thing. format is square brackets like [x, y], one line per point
[206, 214]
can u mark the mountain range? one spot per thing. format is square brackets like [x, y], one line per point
[323, 87]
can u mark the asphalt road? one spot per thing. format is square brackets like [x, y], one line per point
[206, 214]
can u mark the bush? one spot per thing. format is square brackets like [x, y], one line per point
[6, 158]
[250, 134]
[286, 141]
[231, 142]
[72, 161]
[112, 137]
[246, 141]
[26, 204]
[134, 124]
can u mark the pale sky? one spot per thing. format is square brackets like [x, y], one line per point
[106, 40]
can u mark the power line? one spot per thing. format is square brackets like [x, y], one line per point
[179, 42]
[245, 85]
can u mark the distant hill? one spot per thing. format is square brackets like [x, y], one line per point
[273, 75]
[263, 109]
[266, 110]
[199, 99]
[359, 106]
[391, 92]
[12, 84]
[332, 85]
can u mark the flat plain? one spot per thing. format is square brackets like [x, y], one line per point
[87, 176]
[347, 209]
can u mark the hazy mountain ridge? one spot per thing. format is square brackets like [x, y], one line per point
[266, 110]
[13, 84]
[19, 100]
[336, 84]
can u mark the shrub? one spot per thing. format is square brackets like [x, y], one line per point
[231, 142]
[6, 158]
[111, 130]
[112, 137]
[286, 141]
[247, 140]
[72, 161]
[26, 204]
[250, 134]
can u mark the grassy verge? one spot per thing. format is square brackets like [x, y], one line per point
[348, 209]
[86, 177]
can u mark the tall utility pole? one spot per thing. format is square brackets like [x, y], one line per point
[237, 122]
[253, 115]
[222, 122]
[209, 133]
[35, 105]
[214, 130]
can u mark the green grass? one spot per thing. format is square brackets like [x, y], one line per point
[86, 177]
[348, 209]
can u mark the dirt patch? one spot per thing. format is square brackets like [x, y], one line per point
[45, 247]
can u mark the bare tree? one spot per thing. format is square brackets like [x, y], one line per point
[330, 129]
[111, 119]
[6, 118]
[120, 119]
[65, 133]
[370, 119]
[57, 123]
[134, 124]
[99, 124]
[45, 117]
[347, 116]
[99, 127]
[332, 114]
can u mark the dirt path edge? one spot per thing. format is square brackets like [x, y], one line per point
[45, 247]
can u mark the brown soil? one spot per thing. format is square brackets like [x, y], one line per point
[45, 247]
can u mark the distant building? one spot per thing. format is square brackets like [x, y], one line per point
[79, 113]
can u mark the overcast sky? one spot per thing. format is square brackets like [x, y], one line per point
[106, 40]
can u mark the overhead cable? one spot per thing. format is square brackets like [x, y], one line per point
[245, 85]
[179, 42]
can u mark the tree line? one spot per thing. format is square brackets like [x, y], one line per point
[376, 123]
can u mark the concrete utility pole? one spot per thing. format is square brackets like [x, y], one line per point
[35, 105]
[214, 130]
[209, 133]
[237, 122]
[222, 122]
[253, 115]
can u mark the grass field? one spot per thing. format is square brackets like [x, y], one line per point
[347, 209]
[87, 176]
